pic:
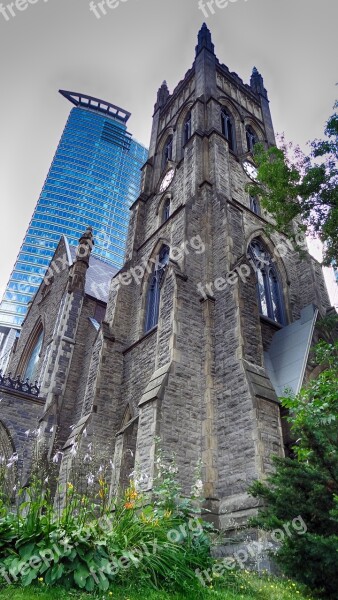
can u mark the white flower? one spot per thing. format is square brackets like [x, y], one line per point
[51, 429]
[57, 456]
[90, 479]
[73, 449]
[27, 432]
[13, 459]
[197, 488]
[87, 458]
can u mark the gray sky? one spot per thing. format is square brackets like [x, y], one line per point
[124, 56]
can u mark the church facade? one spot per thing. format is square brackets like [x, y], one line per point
[210, 318]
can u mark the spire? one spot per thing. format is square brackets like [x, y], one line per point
[162, 95]
[77, 274]
[204, 40]
[257, 84]
[86, 243]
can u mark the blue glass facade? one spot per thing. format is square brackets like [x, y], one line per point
[94, 178]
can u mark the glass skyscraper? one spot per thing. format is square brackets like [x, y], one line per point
[94, 178]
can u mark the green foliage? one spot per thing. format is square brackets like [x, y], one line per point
[294, 186]
[308, 485]
[92, 543]
[239, 585]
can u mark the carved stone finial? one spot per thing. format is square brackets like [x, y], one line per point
[162, 94]
[257, 84]
[86, 243]
[204, 40]
[77, 274]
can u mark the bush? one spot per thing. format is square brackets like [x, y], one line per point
[307, 485]
[93, 543]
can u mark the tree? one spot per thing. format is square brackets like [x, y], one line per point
[307, 486]
[294, 186]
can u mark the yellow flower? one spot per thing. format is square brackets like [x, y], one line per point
[167, 514]
[70, 486]
[40, 579]
[129, 505]
[110, 593]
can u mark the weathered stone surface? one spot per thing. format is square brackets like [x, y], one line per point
[215, 403]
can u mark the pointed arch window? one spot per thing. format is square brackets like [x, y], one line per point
[167, 151]
[154, 289]
[187, 128]
[254, 205]
[251, 138]
[166, 210]
[31, 369]
[269, 292]
[228, 128]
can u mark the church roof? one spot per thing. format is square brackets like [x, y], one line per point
[98, 276]
[287, 356]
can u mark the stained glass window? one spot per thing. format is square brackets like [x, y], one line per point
[167, 151]
[251, 138]
[33, 361]
[166, 210]
[269, 293]
[254, 205]
[187, 128]
[154, 289]
[228, 128]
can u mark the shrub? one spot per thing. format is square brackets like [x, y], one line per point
[94, 542]
[308, 484]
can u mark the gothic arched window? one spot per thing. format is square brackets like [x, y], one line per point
[251, 138]
[270, 297]
[167, 151]
[254, 205]
[187, 128]
[166, 210]
[34, 356]
[228, 128]
[154, 289]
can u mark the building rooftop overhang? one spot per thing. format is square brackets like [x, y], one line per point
[85, 101]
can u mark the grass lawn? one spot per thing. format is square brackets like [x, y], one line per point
[239, 586]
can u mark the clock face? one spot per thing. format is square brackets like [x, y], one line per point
[250, 170]
[167, 179]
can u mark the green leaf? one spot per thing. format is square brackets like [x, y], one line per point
[29, 577]
[80, 576]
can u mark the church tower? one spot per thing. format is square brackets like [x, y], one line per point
[206, 303]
